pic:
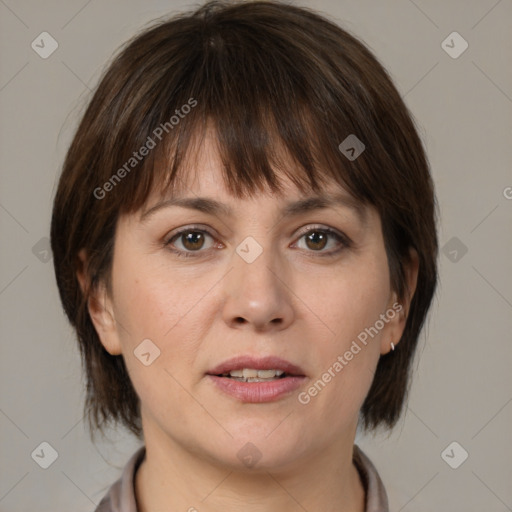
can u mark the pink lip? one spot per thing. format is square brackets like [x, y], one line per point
[257, 392]
[261, 363]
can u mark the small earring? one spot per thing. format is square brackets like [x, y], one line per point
[392, 346]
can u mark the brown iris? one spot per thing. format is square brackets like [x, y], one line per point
[316, 237]
[193, 240]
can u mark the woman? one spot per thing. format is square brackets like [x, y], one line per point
[244, 240]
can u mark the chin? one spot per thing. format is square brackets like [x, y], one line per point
[261, 450]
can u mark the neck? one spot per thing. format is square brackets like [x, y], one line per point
[172, 477]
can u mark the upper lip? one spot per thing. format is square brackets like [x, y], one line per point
[257, 363]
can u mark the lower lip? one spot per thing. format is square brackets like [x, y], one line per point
[257, 392]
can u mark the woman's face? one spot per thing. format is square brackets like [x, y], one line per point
[253, 279]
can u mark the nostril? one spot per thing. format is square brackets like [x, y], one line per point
[240, 320]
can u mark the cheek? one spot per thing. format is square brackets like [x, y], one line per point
[169, 312]
[350, 300]
[349, 304]
[152, 308]
[152, 305]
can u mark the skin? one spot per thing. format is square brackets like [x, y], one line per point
[294, 303]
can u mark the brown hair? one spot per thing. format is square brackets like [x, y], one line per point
[266, 74]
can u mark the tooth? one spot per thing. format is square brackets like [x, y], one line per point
[253, 375]
[266, 374]
[249, 372]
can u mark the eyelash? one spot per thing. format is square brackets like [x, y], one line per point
[342, 239]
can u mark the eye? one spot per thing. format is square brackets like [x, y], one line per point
[317, 238]
[188, 241]
[192, 241]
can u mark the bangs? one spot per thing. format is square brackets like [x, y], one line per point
[271, 110]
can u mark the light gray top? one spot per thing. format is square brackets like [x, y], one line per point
[121, 496]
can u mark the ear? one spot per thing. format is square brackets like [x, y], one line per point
[100, 307]
[396, 325]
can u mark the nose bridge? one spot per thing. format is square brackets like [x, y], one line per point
[256, 290]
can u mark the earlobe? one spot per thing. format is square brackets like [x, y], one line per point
[100, 309]
[396, 315]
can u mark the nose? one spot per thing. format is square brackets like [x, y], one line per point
[258, 294]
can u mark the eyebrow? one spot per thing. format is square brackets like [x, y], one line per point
[294, 208]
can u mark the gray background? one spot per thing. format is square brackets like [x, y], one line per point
[462, 389]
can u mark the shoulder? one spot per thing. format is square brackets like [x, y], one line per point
[121, 495]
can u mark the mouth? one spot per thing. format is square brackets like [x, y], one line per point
[254, 375]
[250, 379]
[251, 369]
